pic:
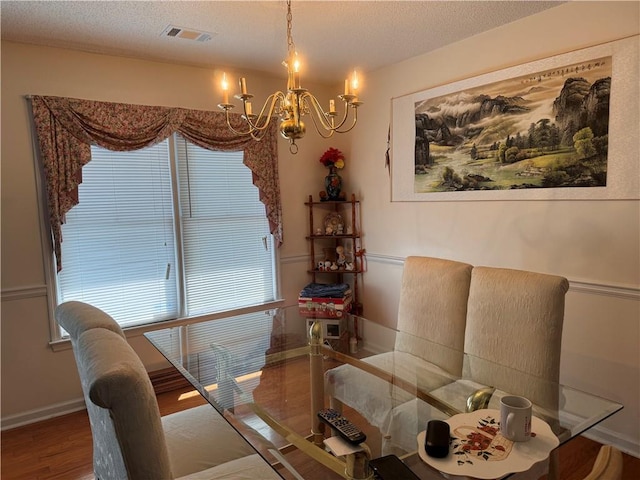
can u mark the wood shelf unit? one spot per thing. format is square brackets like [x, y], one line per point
[349, 210]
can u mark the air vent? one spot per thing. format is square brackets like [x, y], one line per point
[186, 33]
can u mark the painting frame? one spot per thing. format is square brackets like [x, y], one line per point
[623, 169]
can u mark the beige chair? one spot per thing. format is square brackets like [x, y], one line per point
[428, 350]
[514, 323]
[130, 438]
[608, 465]
[515, 318]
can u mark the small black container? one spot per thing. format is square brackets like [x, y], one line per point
[436, 442]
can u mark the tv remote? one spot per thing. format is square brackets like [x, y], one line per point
[344, 427]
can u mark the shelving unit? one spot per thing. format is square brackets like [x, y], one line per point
[322, 242]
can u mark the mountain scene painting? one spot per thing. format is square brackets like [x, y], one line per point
[543, 130]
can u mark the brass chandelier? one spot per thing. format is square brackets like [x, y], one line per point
[294, 104]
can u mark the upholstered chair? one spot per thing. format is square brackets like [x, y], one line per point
[130, 438]
[512, 343]
[515, 318]
[428, 350]
[608, 465]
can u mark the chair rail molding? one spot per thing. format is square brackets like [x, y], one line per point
[575, 285]
[21, 293]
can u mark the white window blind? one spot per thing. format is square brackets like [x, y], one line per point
[228, 252]
[118, 248]
[120, 245]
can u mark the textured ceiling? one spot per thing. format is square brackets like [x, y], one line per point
[332, 36]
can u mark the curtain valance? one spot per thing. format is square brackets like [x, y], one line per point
[67, 127]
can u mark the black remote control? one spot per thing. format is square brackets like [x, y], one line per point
[344, 427]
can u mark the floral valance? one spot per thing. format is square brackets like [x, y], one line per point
[67, 127]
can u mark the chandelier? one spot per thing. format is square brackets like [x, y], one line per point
[291, 106]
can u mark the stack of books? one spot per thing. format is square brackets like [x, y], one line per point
[321, 300]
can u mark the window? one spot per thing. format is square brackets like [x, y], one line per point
[169, 231]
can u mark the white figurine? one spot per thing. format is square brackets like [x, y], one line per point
[341, 257]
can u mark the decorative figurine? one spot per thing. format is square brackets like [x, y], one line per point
[341, 256]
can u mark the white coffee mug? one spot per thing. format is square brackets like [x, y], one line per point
[515, 418]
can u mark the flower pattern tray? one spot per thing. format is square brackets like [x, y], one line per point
[477, 449]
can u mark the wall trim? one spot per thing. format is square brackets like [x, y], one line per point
[632, 293]
[41, 414]
[21, 293]
[164, 380]
[580, 286]
[609, 437]
[575, 285]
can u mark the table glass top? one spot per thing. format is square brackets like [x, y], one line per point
[256, 366]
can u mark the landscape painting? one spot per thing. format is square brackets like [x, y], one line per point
[541, 130]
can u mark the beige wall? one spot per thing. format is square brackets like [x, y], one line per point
[35, 380]
[593, 243]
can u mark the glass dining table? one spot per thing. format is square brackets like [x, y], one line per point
[269, 372]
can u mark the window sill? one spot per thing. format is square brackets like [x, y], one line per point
[136, 331]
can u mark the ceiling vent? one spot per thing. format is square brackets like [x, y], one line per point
[186, 33]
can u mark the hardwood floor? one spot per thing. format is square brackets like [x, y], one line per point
[61, 448]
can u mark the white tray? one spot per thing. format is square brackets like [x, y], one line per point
[493, 456]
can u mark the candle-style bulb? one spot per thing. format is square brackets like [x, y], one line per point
[354, 83]
[296, 63]
[225, 88]
[296, 71]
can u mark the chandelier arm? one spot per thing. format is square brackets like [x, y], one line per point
[353, 124]
[265, 113]
[324, 117]
[322, 131]
[237, 132]
[326, 131]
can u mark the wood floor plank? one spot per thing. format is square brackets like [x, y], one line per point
[61, 448]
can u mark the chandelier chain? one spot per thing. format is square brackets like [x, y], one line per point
[291, 48]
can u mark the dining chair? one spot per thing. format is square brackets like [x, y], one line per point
[512, 344]
[130, 438]
[515, 319]
[608, 464]
[428, 348]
